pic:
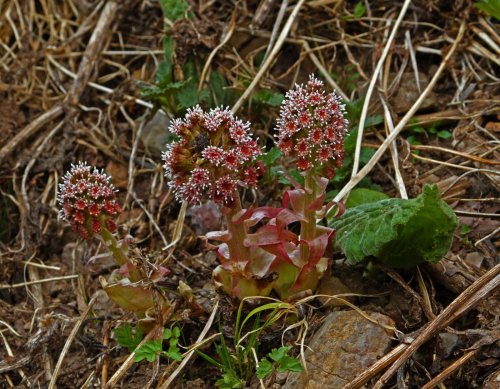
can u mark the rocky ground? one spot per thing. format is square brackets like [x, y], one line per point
[99, 81]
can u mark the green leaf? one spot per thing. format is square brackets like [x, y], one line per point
[268, 97]
[413, 141]
[187, 96]
[373, 120]
[229, 380]
[465, 229]
[126, 338]
[359, 10]
[265, 369]
[164, 74]
[167, 333]
[290, 364]
[295, 174]
[174, 9]
[277, 354]
[444, 134]
[149, 351]
[401, 233]
[218, 85]
[491, 7]
[271, 156]
[363, 196]
[174, 353]
[365, 155]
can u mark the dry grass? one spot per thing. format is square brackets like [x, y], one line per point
[68, 92]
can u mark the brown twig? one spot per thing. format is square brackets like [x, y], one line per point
[190, 353]
[92, 51]
[465, 301]
[450, 369]
[371, 86]
[35, 282]
[130, 359]
[455, 152]
[378, 154]
[30, 129]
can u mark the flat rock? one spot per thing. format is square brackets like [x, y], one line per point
[333, 286]
[346, 345]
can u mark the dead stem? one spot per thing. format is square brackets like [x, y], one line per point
[471, 296]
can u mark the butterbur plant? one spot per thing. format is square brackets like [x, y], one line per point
[89, 205]
[311, 129]
[216, 155]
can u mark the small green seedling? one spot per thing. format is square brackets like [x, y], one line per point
[278, 361]
[152, 349]
[127, 338]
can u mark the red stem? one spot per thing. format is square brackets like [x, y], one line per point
[308, 227]
[237, 250]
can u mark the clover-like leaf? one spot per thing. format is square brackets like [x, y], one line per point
[150, 350]
[288, 363]
[265, 369]
[126, 338]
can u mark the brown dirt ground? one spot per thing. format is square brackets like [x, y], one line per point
[49, 121]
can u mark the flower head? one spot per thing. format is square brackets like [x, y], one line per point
[88, 200]
[214, 155]
[312, 126]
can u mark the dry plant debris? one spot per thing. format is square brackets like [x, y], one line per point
[70, 90]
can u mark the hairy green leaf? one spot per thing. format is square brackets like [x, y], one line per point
[363, 196]
[401, 233]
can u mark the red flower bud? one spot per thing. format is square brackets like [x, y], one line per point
[214, 156]
[88, 200]
[312, 125]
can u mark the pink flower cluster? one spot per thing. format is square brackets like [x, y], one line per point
[88, 200]
[213, 157]
[312, 127]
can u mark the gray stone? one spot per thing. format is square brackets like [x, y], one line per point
[447, 343]
[407, 93]
[345, 346]
[155, 134]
